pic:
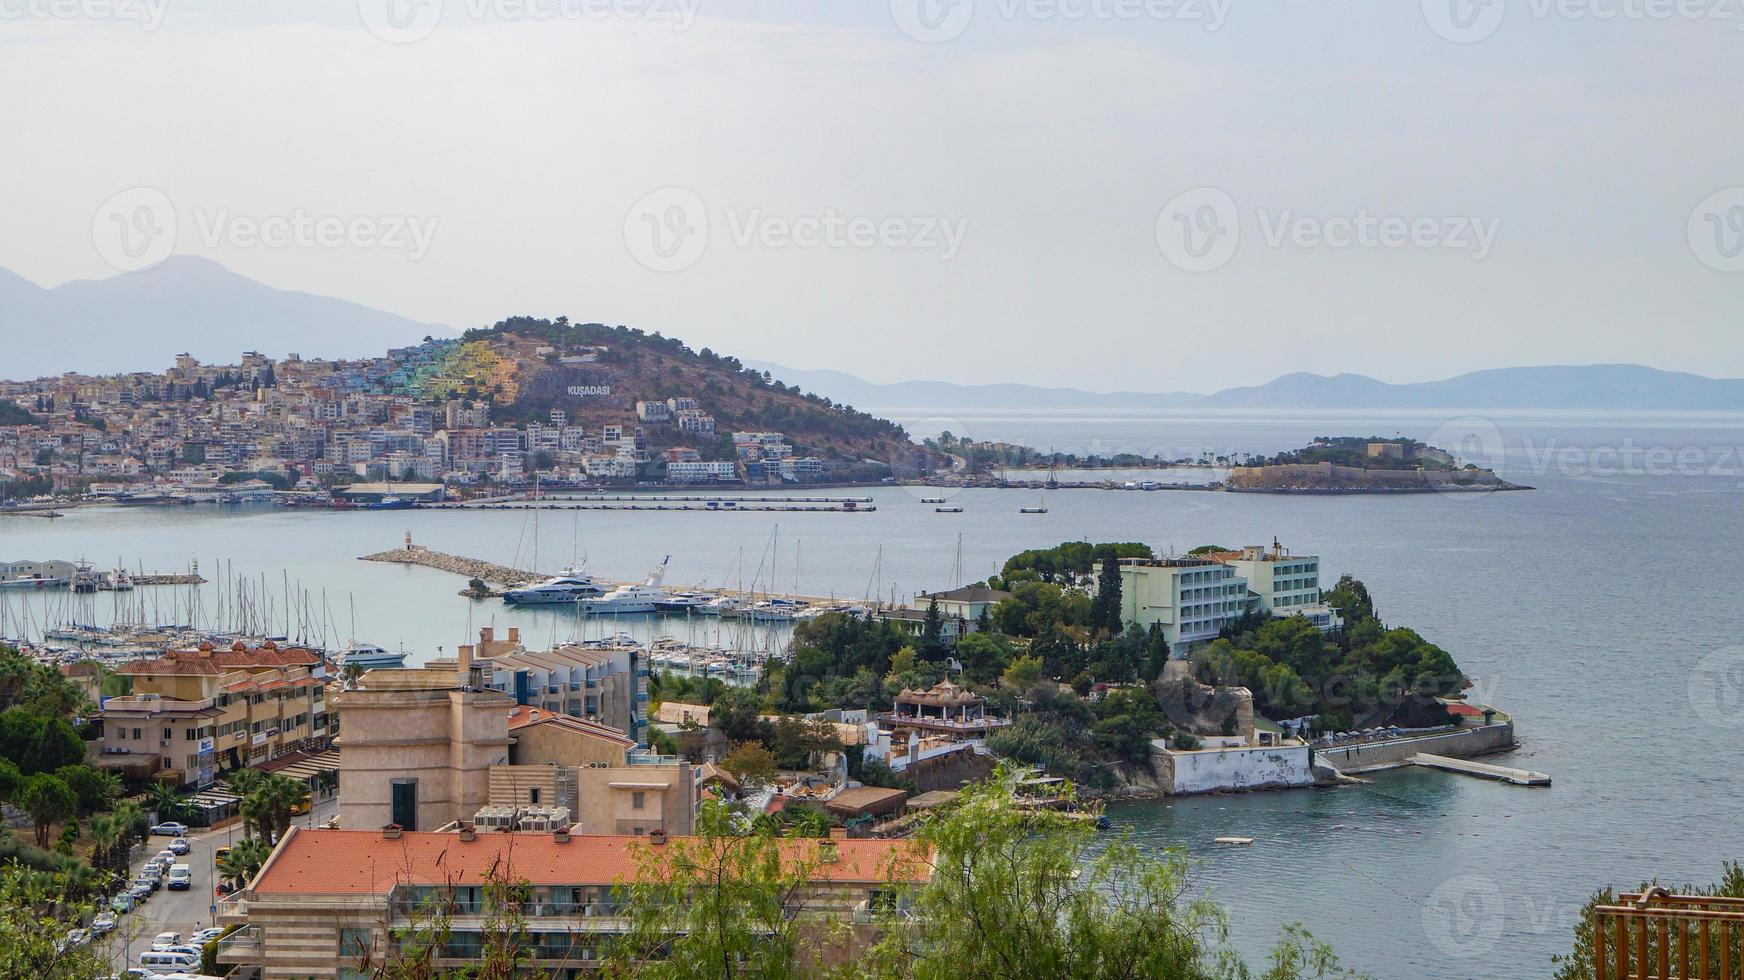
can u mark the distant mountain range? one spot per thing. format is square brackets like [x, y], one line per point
[1601, 387]
[139, 321]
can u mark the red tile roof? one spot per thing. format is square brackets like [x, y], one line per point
[524, 715]
[363, 862]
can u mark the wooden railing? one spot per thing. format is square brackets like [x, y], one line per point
[1661, 936]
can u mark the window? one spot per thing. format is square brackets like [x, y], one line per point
[136, 734]
[638, 800]
[355, 943]
[403, 805]
[192, 734]
[533, 796]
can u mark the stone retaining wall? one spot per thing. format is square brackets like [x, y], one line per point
[1466, 743]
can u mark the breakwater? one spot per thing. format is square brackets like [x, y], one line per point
[417, 554]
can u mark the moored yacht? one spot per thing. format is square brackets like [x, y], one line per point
[684, 602]
[568, 585]
[628, 600]
[366, 656]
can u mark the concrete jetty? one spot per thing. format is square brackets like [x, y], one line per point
[1483, 770]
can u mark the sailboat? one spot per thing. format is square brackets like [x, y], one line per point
[1041, 507]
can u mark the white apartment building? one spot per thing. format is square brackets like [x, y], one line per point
[701, 471]
[1282, 584]
[1193, 599]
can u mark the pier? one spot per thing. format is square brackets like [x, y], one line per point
[668, 502]
[1483, 770]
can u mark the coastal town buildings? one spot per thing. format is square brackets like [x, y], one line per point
[414, 414]
[1282, 584]
[192, 714]
[325, 897]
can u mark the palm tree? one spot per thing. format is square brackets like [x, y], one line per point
[270, 804]
[169, 803]
[105, 833]
[243, 861]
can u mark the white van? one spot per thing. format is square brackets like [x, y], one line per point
[164, 962]
[181, 877]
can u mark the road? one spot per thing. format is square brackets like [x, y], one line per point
[184, 911]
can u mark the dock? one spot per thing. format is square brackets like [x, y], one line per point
[1483, 770]
[670, 502]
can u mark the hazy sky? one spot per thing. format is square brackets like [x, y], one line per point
[1137, 194]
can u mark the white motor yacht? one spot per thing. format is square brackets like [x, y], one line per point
[568, 585]
[366, 656]
[626, 600]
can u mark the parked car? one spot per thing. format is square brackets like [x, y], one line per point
[179, 846]
[169, 828]
[166, 857]
[141, 889]
[168, 961]
[205, 936]
[123, 902]
[163, 939]
[102, 923]
[138, 973]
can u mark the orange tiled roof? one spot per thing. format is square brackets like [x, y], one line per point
[363, 862]
[523, 715]
[180, 666]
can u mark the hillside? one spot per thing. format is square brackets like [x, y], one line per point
[595, 373]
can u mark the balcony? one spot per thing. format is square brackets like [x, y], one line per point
[242, 946]
[1660, 936]
[233, 909]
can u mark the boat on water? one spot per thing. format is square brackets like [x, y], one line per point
[1234, 841]
[932, 500]
[120, 581]
[390, 503]
[629, 600]
[367, 656]
[721, 605]
[33, 581]
[774, 611]
[85, 578]
[568, 585]
[1041, 507]
[684, 602]
[949, 509]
